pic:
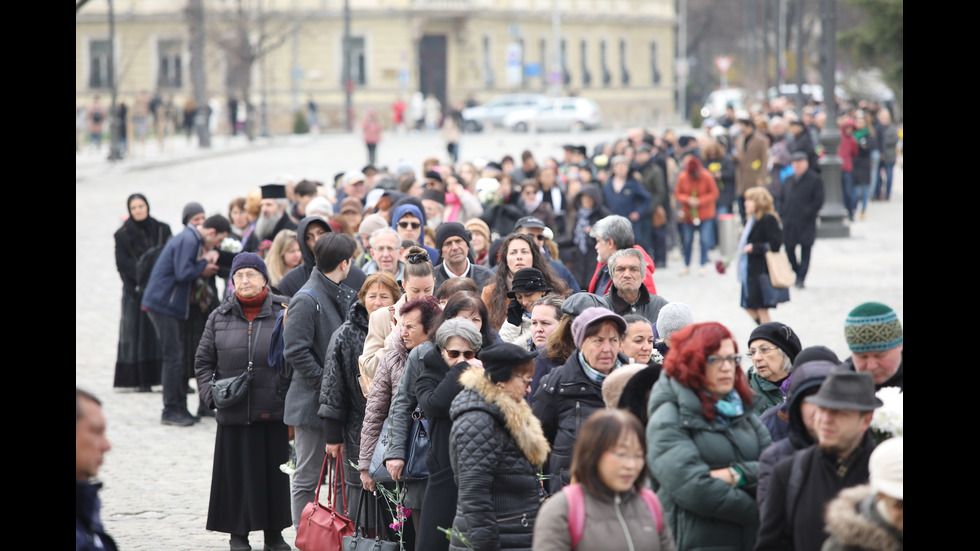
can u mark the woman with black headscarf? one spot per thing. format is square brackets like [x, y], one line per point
[138, 360]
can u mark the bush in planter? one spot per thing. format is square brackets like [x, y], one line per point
[299, 123]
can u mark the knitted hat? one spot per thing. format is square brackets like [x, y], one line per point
[320, 205]
[578, 302]
[812, 353]
[450, 229]
[885, 467]
[528, 280]
[372, 222]
[350, 204]
[779, 334]
[872, 327]
[673, 317]
[434, 195]
[594, 315]
[190, 210]
[475, 225]
[500, 359]
[249, 260]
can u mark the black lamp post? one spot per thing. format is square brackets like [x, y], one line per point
[833, 213]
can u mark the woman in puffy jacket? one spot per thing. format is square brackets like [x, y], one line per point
[705, 441]
[497, 447]
[609, 469]
[248, 491]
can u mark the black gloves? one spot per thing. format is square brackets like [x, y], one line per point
[515, 313]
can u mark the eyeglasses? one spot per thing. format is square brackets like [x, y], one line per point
[468, 354]
[413, 225]
[242, 276]
[623, 456]
[525, 380]
[761, 350]
[718, 361]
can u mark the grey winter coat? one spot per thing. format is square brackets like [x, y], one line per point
[403, 403]
[684, 446]
[224, 348]
[308, 328]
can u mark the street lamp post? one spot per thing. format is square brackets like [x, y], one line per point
[833, 213]
[115, 124]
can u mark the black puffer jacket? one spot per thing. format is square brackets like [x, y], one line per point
[224, 347]
[564, 400]
[341, 401]
[496, 448]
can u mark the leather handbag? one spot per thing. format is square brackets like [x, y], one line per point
[781, 274]
[231, 390]
[418, 447]
[360, 540]
[377, 470]
[322, 528]
[659, 216]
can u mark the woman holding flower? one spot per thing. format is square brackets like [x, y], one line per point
[696, 192]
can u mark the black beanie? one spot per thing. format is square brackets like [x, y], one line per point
[450, 229]
[190, 210]
[779, 334]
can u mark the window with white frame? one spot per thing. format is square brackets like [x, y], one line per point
[170, 66]
[358, 61]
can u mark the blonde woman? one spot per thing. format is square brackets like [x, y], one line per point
[283, 255]
[763, 233]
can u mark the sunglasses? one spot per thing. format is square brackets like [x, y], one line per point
[413, 225]
[468, 354]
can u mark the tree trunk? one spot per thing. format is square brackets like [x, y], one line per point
[195, 24]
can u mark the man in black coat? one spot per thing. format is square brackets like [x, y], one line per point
[791, 515]
[802, 198]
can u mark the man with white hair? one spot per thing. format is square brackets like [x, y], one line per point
[627, 294]
[385, 253]
[272, 216]
[611, 234]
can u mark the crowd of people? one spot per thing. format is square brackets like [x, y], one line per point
[512, 306]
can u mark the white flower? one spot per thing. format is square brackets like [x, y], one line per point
[230, 244]
[657, 357]
[890, 417]
[288, 467]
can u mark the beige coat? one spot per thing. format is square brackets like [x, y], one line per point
[380, 339]
[753, 158]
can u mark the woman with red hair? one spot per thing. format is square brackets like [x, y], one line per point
[696, 192]
[705, 441]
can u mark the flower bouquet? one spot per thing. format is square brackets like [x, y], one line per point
[230, 244]
[400, 513]
[889, 419]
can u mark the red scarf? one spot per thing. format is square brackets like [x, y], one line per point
[252, 306]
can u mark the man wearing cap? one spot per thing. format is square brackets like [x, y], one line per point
[872, 516]
[791, 514]
[773, 347]
[571, 392]
[801, 200]
[802, 141]
[453, 241]
[627, 294]
[385, 253]
[751, 158]
[352, 184]
[309, 230]
[611, 234]
[167, 300]
[874, 335]
[272, 217]
[536, 228]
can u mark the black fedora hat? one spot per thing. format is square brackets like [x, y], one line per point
[846, 389]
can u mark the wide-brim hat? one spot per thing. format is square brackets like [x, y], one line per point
[846, 389]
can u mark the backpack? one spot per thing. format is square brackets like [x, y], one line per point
[576, 510]
[146, 261]
[277, 346]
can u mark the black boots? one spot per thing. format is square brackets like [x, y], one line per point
[239, 542]
[274, 541]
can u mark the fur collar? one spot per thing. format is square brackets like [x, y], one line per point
[518, 418]
[853, 521]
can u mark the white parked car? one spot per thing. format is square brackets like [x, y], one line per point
[492, 112]
[561, 114]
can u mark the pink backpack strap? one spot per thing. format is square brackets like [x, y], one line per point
[576, 512]
[653, 505]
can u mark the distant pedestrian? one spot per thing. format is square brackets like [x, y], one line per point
[371, 127]
[802, 200]
[95, 118]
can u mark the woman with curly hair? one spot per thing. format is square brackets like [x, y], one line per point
[704, 441]
[517, 251]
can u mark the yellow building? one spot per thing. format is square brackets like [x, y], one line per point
[618, 52]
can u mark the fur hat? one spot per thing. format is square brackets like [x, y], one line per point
[614, 384]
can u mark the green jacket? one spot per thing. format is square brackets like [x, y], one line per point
[767, 394]
[703, 512]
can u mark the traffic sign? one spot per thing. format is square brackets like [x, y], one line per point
[723, 63]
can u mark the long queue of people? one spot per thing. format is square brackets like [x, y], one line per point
[513, 308]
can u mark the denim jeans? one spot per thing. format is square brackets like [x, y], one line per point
[876, 170]
[706, 232]
[861, 193]
[847, 188]
[172, 349]
[889, 169]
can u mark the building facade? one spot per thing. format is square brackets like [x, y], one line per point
[283, 53]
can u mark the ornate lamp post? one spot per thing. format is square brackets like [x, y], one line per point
[833, 213]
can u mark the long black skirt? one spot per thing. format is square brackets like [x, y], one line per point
[248, 491]
[138, 356]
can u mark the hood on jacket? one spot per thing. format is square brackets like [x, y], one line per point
[806, 380]
[593, 191]
[516, 417]
[404, 208]
[854, 522]
[308, 257]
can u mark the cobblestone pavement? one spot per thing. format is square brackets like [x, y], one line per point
[157, 478]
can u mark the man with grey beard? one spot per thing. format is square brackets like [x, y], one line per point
[272, 217]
